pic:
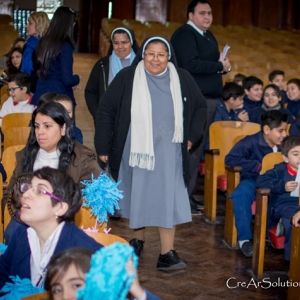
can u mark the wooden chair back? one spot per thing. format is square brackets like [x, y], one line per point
[224, 134]
[39, 296]
[84, 219]
[106, 239]
[270, 160]
[9, 159]
[16, 120]
[4, 97]
[16, 136]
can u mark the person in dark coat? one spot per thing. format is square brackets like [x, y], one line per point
[54, 57]
[197, 51]
[121, 53]
[48, 206]
[148, 118]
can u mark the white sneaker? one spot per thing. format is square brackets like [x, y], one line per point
[280, 228]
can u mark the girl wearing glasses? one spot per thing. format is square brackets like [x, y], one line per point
[54, 55]
[51, 143]
[148, 118]
[48, 206]
[121, 53]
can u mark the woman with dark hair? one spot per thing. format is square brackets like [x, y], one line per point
[54, 55]
[48, 206]
[121, 54]
[18, 42]
[51, 143]
[147, 121]
[13, 62]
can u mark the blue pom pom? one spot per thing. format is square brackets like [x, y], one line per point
[108, 278]
[19, 288]
[102, 195]
[2, 248]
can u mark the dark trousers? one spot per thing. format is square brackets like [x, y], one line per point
[285, 211]
[197, 153]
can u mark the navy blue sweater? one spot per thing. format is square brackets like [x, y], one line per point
[249, 104]
[275, 179]
[222, 114]
[293, 107]
[248, 154]
[255, 114]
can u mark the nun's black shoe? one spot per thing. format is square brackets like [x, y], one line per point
[170, 262]
[138, 246]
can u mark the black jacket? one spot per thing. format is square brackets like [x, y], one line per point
[113, 117]
[200, 57]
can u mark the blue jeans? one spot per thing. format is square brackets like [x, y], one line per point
[285, 211]
[242, 198]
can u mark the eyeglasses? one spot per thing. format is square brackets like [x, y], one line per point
[123, 43]
[24, 187]
[152, 55]
[14, 88]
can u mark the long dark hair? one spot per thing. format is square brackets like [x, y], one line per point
[66, 144]
[10, 68]
[59, 32]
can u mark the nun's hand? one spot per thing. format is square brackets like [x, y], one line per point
[189, 145]
[104, 158]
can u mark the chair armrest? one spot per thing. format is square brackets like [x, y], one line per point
[263, 191]
[233, 169]
[212, 151]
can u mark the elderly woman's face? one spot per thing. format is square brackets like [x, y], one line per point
[121, 44]
[156, 58]
[48, 133]
[36, 205]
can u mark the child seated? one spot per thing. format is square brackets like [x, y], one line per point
[20, 97]
[271, 101]
[293, 93]
[66, 275]
[253, 87]
[231, 100]
[248, 154]
[277, 77]
[281, 181]
[238, 78]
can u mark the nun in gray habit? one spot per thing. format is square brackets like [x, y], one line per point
[148, 119]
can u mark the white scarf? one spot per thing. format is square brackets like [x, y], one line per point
[141, 147]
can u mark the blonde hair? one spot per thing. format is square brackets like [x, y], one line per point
[41, 21]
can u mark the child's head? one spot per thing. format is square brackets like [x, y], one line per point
[277, 77]
[232, 94]
[290, 149]
[19, 87]
[38, 23]
[293, 89]
[66, 102]
[66, 271]
[253, 87]
[273, 127]
[46, 98]
[14, 58]
[271, 95]
[238, 78]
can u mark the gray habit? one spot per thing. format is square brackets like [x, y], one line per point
[158, 197]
